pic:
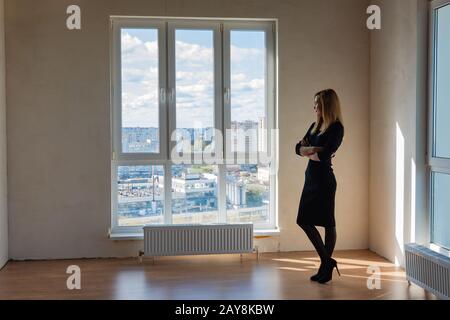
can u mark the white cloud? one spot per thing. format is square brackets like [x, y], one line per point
[135, 50]
[193, 54]
[242, 54]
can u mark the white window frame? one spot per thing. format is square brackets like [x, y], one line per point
[167, 105]
[435, 164]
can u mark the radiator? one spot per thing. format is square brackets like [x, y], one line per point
[176, 240]
[428, 269]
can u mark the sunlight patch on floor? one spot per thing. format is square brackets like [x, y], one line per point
[317, 264]
[292, 269]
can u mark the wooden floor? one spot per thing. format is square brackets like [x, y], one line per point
[275, 276]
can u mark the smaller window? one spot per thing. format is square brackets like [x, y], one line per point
[140, 194]
[194, 194]
[248, 193]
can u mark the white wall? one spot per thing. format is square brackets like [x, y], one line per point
[398, 116]
[58, 116]
[3, 182]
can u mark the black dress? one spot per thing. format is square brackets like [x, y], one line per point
[317, 201]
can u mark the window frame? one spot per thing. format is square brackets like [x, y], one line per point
[167, 106]
[436, 165]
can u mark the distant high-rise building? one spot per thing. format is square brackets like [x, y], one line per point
[236, 193]
[194, 192]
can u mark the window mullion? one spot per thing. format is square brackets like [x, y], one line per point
[163, 85]
[220, 122]
[225, 94]
[171, 83]
[226, 105]
[168, 192]
[222, 197]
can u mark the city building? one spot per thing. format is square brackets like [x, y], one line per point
[194, 192]
[236, 193]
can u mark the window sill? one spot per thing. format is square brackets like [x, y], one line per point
[440, 250]
[267, 233]
[126, 236]
[137, 236]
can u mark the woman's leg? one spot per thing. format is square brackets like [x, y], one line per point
[314, 236]
[330, 240]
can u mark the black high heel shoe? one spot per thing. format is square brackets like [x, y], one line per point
[319, 273]
[328, 271]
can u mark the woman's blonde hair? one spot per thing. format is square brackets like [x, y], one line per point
[330, 107]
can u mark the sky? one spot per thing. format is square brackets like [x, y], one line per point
[194, 77]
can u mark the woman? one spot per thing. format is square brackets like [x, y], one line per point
[316, 208]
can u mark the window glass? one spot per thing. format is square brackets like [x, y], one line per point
[140, 195]
[140, 91]
[194, 194]
[442, 78]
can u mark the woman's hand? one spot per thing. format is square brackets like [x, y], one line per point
[305, 142]
[300, 145]
[308, 151]
[304, 148]
[311, 153]
[314, 157]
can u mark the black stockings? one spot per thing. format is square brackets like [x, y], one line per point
[325, 251]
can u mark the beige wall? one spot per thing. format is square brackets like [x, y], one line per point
[398, 93]
[58, 116]
[3, 183]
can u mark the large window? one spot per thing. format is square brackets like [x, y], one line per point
[439, 153]
[193, 122]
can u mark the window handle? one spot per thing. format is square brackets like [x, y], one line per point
[162, 95]
[172, 95]
[227, 95]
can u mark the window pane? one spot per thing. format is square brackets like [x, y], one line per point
[140, 195]
[140, 86]
[441, 210]
[248, 193]
[248, 91]
[194, 55]
[442, 94]
[194, 194]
